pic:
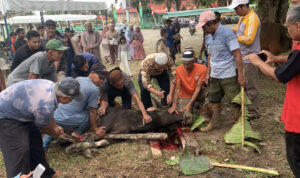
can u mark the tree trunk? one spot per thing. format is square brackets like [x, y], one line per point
[272, 10]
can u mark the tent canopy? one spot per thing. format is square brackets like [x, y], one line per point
[50, 5]
[196, 12]
[37, 19]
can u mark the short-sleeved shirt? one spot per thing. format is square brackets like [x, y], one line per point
[107, 89]
[38, 64]
[170, 40]
[91, 61]
[76, 110]
[19, 43]
[188, 81]
[220, 47]
[289, 73]
[29, 101]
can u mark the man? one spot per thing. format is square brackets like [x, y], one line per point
[190, 80]
[223, 61]
[33, 45]
[161, 45]
[113, 41]
[118, 83]
[26, 109]
[90, 41]
[39, 65]
[41, 31]
[176, 31]
[78, 115]
[288, 73]
[69, 32]
[170, 40]
[162, 68]
[83, 63]
[21, 38]
[248, 32]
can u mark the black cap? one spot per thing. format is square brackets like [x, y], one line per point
[168, 21]
[50, 23]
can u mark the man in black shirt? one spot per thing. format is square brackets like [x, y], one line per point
[33, 45]
[21, 38]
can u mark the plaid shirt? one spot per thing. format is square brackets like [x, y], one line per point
[148, 69]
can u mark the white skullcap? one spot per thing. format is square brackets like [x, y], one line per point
[161, 59]
[187, 56]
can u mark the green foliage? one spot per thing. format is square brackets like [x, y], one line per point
[173, 162]
[197, 123]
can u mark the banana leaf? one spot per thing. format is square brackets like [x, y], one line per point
[197, 123]
[173, 162]
[253, 145]
[238, 99]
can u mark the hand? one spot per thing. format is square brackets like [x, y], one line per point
[27, 175]
[207, 80]
[241, 80]
[169, 98]
[146, 119]
[270, 57]
[160, 94]
[100, 132]
[187, 108]
[58, 131]
[101, 111]
[254, 59]
[172, 109]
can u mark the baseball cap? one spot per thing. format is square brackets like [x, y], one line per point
[161, 59]
[236, 3]
[187, 56]
[68, 87]
[55, 45]
[205, 17]
[50, 23]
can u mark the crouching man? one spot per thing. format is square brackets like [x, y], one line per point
[116, 84]
[77, 115]
[190, 80]
[25, 108]
[288, 73]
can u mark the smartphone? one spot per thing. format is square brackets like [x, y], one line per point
[38, 171]
[262, 56]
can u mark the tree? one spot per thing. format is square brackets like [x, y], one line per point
[272, 10]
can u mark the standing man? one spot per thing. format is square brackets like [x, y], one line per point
[224, 60]
[82, 64]
[176, 31]
[33, 45]
[39, 65]
[21, 38]
[118, 83]
[113, 41]
[41, 30]
[248, 32]
[162, 68]
[190, 80]
[90, 40]
[26, 109]
[170, 40]
[289, 74]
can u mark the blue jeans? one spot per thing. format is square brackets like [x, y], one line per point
[78, 128]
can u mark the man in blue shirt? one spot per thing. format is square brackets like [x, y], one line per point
[224, 59]
[77, 115]
[170, 40]
[26, 108]
[83, 63]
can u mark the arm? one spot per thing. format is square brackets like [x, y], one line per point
[146, 117]
[174, 104]
[272, 59]
[103, 107]
[195, 95]
[52, 129]
[93, 118]
[202, 48]
[32, 76]
[98, 41]
[238, 60]
[250, 31]
[208, 70]
[83, 42]
[172, 78]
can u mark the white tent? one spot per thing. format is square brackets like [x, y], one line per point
[34, 19]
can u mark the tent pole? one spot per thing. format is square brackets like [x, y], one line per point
[42, 17]
[105, 17]
[8, 37]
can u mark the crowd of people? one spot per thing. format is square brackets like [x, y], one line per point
[59, 83]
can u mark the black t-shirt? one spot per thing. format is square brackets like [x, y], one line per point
[21, 55]
[290, 69]
[19, 43]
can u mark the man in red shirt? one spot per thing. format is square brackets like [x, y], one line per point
[190, 78]
[288, 73]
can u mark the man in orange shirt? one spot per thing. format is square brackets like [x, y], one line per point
[190, 79]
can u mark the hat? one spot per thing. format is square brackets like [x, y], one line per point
[168, 21]
[205, 17]
[99, 69]
[55, 45]
[161, 59]
[187, 56]
[68, 87]
[236, 3]
[50, 23]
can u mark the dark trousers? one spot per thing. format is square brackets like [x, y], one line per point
[164, 84]
[172, 50]
[126, 97]
[22, 148]
[292, 143]
[113, 49]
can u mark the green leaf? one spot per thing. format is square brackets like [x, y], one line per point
[197, 123]
[238, 99]
[173, 162]
[253, 145]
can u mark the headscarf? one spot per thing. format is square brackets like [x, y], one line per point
[129, 34]
[139, 34]
[105, 30]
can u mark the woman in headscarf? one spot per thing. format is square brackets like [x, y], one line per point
[137, 44]
[129, 38]
[104, 44]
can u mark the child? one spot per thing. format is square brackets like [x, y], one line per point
[124, 56]
[161, 45]
[138, 49]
